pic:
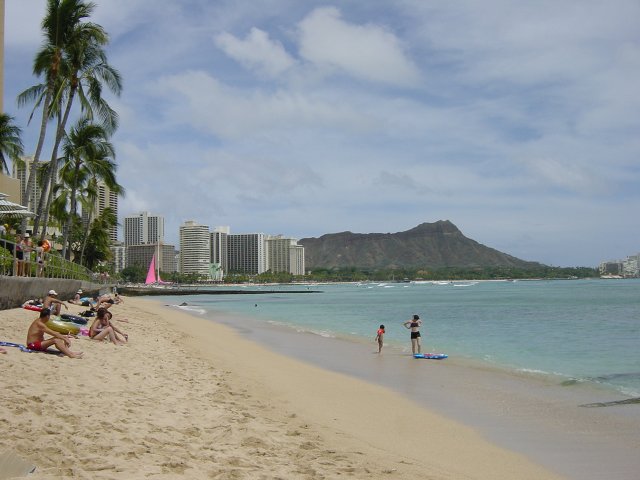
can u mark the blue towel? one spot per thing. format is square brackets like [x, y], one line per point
[25, 349]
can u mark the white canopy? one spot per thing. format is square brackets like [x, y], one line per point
[13, 210]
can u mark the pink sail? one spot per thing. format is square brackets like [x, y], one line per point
[151, 274]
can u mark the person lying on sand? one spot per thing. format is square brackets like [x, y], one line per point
[36, 341]
[102, 328]
[76, 300]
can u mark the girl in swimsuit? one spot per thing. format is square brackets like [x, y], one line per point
[101, 328]
[414, 325]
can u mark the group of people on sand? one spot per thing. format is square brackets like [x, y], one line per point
[97, 301]
[414, 325]
[101, 327]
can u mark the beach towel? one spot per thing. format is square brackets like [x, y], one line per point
[25, 349]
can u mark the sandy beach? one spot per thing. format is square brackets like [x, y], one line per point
[190, 398]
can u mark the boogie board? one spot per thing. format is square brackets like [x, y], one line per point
[431, 356]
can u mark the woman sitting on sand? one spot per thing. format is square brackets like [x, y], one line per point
[101, 328]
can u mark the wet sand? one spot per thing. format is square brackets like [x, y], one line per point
[536, 416]
[190, 398]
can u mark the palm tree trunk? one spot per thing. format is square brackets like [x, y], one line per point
[36, 156]
[86, 234]
[47, 186]
[53, 170]
[66, 249]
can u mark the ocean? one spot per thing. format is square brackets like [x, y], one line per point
[578, 332]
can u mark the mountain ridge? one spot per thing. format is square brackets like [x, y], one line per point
[428, 245]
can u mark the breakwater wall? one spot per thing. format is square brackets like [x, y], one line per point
[140, 291]
[14, 291]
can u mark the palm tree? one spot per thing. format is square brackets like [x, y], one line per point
[87, 154]
[10, 141]
[59, 24]
[98, 242]
[87, 70]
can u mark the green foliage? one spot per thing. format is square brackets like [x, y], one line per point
[10, 141]
[98, 241]
[134, 274]
[451, 273]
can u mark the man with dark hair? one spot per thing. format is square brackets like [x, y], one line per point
[36, 341]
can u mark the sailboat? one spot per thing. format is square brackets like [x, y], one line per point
[153, 275]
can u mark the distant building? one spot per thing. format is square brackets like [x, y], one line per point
[21, 173]
[284, 255]
[106, 198]
[631, 266]
[141, 255]
[118, 257]
[247, 253]
[220, 250]
[143, 228]
[610, 268]
[11, 188]
[297, 265]
[195, 249]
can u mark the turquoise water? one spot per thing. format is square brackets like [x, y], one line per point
[582, 330]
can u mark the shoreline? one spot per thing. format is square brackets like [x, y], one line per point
[539, 416]
[191, 398]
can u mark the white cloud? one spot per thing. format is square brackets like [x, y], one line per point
[257, 52]
[368, 52]
[516, 121]
[202, 101]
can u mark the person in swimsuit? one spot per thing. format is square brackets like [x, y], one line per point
[36, 341]
[380, 338]
[19, 263]
[414, 325]
[53, 303]
[101, 328]
[40, 258]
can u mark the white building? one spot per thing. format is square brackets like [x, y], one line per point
[195, 249]
[106, 198]
[246, 253]
[22, 175]
[631, 266]
[143, 229]
[119, 257]
[220, 249]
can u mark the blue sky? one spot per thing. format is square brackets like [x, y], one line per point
[517, 121]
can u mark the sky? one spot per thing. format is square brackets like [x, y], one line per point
[517, 121]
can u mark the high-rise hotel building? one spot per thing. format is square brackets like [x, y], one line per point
[195, 248]
[247, 253]
[144, 238]
[106, 198]
[220, 248]
[21, 173]
[284, 255]
[143, 229]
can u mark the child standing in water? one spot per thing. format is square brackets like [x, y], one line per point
[380, 338]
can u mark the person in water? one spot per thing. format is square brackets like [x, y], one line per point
[414, 325]
[36, 341]
[380, 338]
